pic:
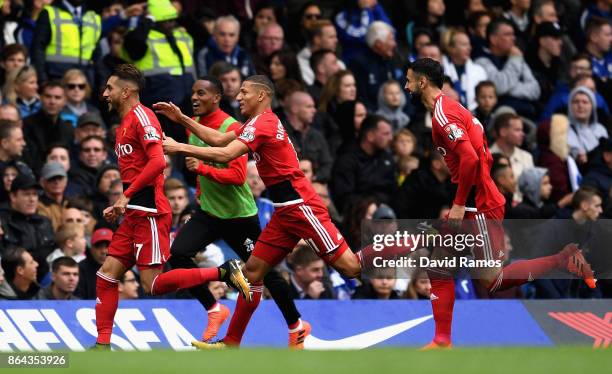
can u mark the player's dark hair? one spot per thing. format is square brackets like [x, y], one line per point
[483, 84]
[63, 261]
[11, 259]
[214, 82]
[503, 121]
[130, 73]
[429, 68]
[494, 25]
[584, 193]
[264, 81]
[369, 124]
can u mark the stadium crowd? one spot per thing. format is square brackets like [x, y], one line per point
[537, 74]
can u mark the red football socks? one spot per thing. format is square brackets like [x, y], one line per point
[107, 291]
[242, 315]
[520, 272]
[442, 303]
[178, 279]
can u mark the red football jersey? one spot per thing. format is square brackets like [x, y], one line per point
[276, 159]
[451, 124]
[138, 141]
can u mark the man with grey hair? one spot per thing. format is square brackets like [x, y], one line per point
[223, 46]
[374, 67]
[270, 38]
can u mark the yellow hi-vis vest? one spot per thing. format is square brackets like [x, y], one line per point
[161, 59]
[69, 42]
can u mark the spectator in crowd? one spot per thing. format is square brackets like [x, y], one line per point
[309, 15]
[223, 46]
[430, 50]
[177, 195]
[264, 13]
[8, 172]
[362, 210]
[308, 142]
[230, 78]
[307, 167]
[585, 131]
[265, 208]
[368, 169]
[12, 144]
[486, 100]
[323, 191]
[463, 72]
[375, 66]
[404, 145]
[54, 180]
[217, 289]
[100, 241]
[323, 37]
[78, 92]
[599, 40]
[307, 277]
[71, 242]
[544, 57]
[600, 174]
[379, 286]
[128, 286]
[536, 189]
[269, 40]
[506, 184]
[23, 227]
[426, 191]
[554, 156]
[419, 287]
[46, 126]
[72, 214]
[324, 64]
[478, 23]
[92, 155]
[114, 191]
[85, 207]
[518, 16]
[10, 112]
[87, 125]
[64, 280]
[596, 9]
[420, 38]
[507, 69]
[340, 87]
[106, 175]
[163, 51]
[353, 22]
[284, 65]
[65, 37]
[349, 116]
[20, 270]
[23, 92]
[509, 137]
[391, 103]
[112, 59]
[13, 58]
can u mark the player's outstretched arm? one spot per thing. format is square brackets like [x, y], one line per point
[217, 154]
[209, 136]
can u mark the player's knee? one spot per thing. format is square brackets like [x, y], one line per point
[146, 287]
[253, 272]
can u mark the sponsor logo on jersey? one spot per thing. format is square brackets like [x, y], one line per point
[453, 132]
[151, 133]
[248, 133]
[123, 150]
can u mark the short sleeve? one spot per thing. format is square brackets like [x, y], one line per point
[254, 134]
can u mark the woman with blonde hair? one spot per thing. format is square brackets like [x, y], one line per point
[23, 92]
[341, 87]
[78, 91]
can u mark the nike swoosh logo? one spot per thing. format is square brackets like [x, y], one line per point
[366, 339]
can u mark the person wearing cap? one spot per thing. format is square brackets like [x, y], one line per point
[23, 227]
[53, 179]
[95, 256]
[87, 125]
[65, 37]
[544, 57]
[163, 51]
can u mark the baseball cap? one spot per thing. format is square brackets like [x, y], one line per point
[24, 182]
[548, 29]
[384, 211]
[52, 169]
[101, 235]
[90, 119]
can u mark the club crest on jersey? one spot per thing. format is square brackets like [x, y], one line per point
[453, 132]
[248, 133]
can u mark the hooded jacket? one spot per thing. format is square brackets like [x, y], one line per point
[584, 137]
[530, 182]
[396, 117]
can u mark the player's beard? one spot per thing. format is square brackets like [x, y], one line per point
[415, 97]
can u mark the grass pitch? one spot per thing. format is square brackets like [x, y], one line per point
[374, 361]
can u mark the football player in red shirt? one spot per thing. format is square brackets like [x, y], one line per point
[142, 238]
[460, 138]
[299, 211]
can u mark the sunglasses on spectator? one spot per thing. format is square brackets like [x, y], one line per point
[80, 86]
[312, 16]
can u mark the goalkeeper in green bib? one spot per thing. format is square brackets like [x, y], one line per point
[228, 212]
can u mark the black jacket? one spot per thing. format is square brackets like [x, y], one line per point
[357, 174]
[83, 180]
[34, 233]
[371, 71]
[86, 289]
[40, 131]
[422, 195]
